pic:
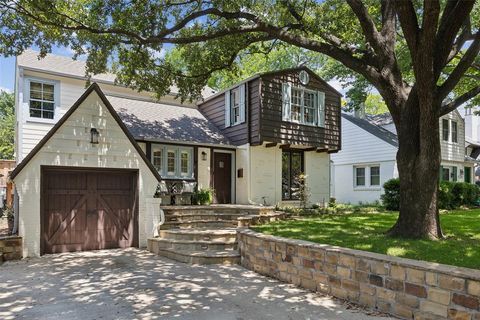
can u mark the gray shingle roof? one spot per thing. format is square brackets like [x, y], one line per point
[376, 130]
[66, 66]
[163, 122]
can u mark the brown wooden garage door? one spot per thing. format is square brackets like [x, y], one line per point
[88, 209]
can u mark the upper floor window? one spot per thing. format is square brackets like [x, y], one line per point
[449, 130]
[303, 106]
[445, 129]
[235, 106]
[173, 161]
[454, 132]
[41, 99]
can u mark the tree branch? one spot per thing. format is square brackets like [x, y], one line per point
[368, 26]
[449, 107]
[409, 23]
[462, 67]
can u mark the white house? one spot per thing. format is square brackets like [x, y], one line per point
[368, 156]
[90, 160]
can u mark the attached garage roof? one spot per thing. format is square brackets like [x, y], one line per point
[106, 102]
[148, 120]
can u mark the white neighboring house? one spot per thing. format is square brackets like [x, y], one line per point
[368, 156]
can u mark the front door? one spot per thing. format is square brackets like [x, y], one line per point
[222, 177]
[88, 210]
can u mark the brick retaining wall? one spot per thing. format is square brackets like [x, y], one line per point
[409, 289]
[10, 248]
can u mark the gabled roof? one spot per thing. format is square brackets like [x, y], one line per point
[268, 73]
[96, 88]
[371, 128]
[151, 121]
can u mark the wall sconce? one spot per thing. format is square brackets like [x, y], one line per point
[204, 156]
[94, 136]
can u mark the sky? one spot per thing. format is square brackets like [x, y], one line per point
[7, 70]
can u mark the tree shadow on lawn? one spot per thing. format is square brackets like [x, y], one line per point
[367, 232]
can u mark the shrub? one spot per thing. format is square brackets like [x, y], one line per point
[451, 195]
[391, 198]
[204, 196]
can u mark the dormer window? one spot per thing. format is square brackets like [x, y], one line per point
[42, 99]
[235, 106]
[304, 106]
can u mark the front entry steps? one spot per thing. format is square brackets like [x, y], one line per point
[203, 234]
[197, 246]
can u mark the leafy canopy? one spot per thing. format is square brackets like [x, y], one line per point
[7, 125]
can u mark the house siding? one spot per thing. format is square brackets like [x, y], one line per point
[70, 146]
[274, 129]
[214, 110]
[453, 151]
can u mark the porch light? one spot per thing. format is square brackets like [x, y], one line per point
[94, 136]
[204, 156]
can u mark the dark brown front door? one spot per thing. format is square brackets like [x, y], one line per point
[222, 177]
[88, 209]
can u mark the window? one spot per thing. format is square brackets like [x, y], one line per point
[235, 106]
[454, 132]
[374, 176]
[366, 176]
[292, 167]
[360, 176]
[445, 174]
[41, 99]
[173, 162]
[303, 106]
[158, 159]
[445, 130]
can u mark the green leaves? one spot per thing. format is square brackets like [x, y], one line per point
[7, 125]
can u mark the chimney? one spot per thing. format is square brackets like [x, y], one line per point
[360, 111]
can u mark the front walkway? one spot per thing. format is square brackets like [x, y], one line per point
[134, 284]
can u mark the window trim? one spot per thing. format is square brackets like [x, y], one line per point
[177, 150]
[56, 99]
[355, 179]
[287, 105]
[368, 186]
[229, 114]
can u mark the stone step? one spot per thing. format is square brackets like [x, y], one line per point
[193, 245]
[240, 210]
[226, 234]
[198, 224]
[227, 257]
[202, 216]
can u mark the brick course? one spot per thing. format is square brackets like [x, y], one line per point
[402, 287]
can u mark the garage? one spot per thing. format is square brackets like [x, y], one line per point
[88, 209]
[80, 191]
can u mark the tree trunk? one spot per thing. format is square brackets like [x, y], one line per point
[418, 162]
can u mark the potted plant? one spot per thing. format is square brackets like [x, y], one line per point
[204, 196]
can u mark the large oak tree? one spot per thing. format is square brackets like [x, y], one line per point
[421, 56]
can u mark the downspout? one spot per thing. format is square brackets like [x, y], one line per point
[15, 211]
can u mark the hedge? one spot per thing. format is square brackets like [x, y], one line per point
[451, 195]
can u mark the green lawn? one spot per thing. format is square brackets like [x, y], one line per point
[366, 232]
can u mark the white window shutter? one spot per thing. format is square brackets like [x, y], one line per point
[286, 101]
[321, 109]
[242, 103]
[227, 109]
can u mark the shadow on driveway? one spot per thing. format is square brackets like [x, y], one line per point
[134, 284]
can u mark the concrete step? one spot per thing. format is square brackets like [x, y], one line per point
[180, 217]
[193, 245]
[227, 257]
[189, 224]
[226, 234]
[216, 209]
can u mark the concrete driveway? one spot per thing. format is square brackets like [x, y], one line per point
[134, 284]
